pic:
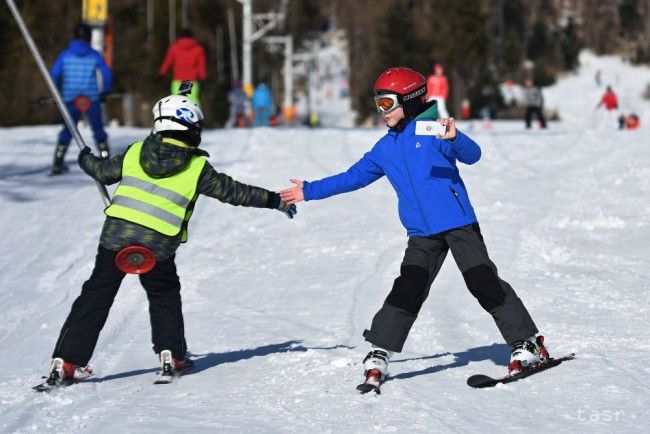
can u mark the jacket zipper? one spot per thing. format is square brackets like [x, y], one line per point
[457, 200]
[415, 193]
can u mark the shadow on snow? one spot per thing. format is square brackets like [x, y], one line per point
[203, 362]
[498, 353]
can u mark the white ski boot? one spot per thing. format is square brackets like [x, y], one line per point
[375, 367]
[63, 373]
[171, 367]
[527, 353]
[377, 360]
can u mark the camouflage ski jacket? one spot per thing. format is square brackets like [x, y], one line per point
[161, 158]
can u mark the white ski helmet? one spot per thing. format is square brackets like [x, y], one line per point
[177, 113]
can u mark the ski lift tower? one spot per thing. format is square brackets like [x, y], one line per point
[253, 28]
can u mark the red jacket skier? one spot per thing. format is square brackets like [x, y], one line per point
[609, 99]
[186, 58]
[438, 89]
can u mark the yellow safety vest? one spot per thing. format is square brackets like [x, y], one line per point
[162, 204]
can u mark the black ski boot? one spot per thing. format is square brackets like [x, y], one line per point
[104, 152]
[58, 165]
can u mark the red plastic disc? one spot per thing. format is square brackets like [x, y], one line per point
[82, 102]
[135, 260]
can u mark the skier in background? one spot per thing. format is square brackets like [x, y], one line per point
[262, 102]
[238, 110]
[75, 73]
[438, 89]
[435, 209]
[609, 101]
[159, 179]
[534, 101]
[186, 59]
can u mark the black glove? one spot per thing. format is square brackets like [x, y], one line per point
[85, 151]
[289, 210]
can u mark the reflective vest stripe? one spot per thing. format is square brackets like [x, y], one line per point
[151, 210]
[162, 204]
[151, 199]
[149, 187]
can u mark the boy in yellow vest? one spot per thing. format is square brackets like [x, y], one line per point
[159, 182]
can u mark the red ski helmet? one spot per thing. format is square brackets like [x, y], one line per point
[409, 86]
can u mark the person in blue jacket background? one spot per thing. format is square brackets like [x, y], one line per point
[418, 155]
[262, 102]
[75, 73]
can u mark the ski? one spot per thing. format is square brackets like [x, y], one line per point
[48, 385]
[480, 381]
[372, 383]
[165, 378]
[55, 380]
[167, 374]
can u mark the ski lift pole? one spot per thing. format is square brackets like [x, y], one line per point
[55, 92]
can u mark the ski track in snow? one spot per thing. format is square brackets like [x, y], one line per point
[274, 309]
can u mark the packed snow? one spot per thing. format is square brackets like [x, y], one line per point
[274, 308]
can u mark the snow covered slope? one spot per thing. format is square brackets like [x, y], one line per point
[274, 309]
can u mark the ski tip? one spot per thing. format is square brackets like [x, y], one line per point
[44, 387]
[365, 388]
[479, 381]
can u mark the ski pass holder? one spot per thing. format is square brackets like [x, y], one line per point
[135, 260]
[429, 128]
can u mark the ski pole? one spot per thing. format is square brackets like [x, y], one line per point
[53, 90]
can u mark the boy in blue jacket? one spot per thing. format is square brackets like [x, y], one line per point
[75, 73]
[435, 209]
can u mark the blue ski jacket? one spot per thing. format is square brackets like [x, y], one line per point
[432, 197]
[74, 71]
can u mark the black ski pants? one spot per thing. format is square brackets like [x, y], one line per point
[81, 329]
[422, 262]
[537, 111]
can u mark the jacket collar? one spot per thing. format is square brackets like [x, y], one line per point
[431, 112]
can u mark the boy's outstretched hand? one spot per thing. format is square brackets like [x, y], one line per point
[294, 194]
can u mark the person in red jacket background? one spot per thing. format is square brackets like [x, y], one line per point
[438, 89]
[609, 99]
[610, 102]
[186, 58]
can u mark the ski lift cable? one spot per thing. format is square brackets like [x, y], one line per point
[53, 90]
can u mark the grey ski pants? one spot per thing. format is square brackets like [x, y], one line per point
[422, 261]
